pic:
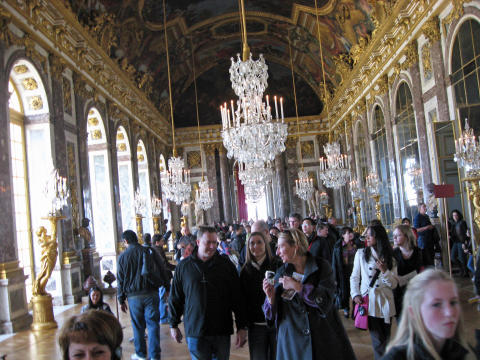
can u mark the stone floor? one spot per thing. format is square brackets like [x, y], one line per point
[31, 345]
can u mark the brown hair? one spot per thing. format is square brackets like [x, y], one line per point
[249, 257]
[92, 327]
[297, 238]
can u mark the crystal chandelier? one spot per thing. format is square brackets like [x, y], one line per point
[415, 173]
[156, 204]
[304, 186]
[56, 193]
[175, 180]
[254, 178]
[204, 195]
[323, 198]
[249, 132]
[253, 194]
[139, 202]
[355, 189]
[334, 169]
[373, 184]
[467, 152]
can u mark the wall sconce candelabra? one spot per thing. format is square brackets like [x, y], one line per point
[56, 193]
[357, 198]
[156, 211]
[140, 205]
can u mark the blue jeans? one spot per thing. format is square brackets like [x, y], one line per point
[144, 311]
[163, 305]
[209, 347]
[470, 264]
[262, 342]
[458, 255]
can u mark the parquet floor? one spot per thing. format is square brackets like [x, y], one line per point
[31, 345]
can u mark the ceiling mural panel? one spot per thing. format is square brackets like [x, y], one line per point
[212, 27]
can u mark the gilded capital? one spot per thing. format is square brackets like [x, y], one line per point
[57, 66]
[431, 30]
[210, 149]
[411, 53]
[291, 142]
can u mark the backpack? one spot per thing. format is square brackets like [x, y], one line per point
[152, 269]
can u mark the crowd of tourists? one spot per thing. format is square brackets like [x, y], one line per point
[283, 284]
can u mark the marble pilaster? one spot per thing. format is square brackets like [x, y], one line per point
[421, 123]
[439, 74]
[291, 154]
[281, 184]
[212, 214]
[227, 198]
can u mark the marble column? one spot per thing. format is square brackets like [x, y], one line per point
[420, 120]
[14, 314]
[392, 168]
[212, 214]
[281, 184]
[227, 198]
[293, 161]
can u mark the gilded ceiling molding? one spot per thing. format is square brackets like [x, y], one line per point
[400, 24]
[431, 30]
[56, 24]
[32, 53]
[456, 12]
[411, 54]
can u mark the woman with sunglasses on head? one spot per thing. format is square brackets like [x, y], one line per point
[300, 304]
[431, 326]
[374, 276]
[259, 259]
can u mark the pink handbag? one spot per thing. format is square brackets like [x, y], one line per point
[360, 314]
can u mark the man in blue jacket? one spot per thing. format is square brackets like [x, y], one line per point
[206, 289]
[142, 297]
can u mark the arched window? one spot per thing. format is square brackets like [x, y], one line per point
[466, 72]
[100, 182]
[124, 162]
[162, 164]
[30, 159]
[144, 186]
[407, 148]
[379, 138]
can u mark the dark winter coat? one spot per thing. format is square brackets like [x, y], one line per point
[206, 293]
[308, 326]
[342, 280]
[451, 351]
[320, 247]
[251, 280]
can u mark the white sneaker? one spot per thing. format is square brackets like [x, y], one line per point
[136, 357]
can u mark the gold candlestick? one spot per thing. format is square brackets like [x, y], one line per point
[359, 228]
[138, 219]
[41, 300]
[156, 224]
[378, 212]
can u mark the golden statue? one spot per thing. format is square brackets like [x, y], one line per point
[48, 259]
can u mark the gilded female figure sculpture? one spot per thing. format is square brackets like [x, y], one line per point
[48, 259]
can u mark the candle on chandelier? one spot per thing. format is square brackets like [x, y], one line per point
[276, 107]
[233, 111]
[281, 107]
[268, 102]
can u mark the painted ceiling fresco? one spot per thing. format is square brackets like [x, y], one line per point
[211, 29]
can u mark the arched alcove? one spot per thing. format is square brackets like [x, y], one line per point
[125, 181]
[144, 186]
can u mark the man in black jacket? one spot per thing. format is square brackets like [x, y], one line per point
[142, 297]
[206, 289]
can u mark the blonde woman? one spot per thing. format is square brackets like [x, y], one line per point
[300, 304]
[431, 326]
[409, 261]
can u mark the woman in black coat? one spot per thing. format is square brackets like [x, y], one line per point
[409, 261]
[300, 304]
[259, 259]
[342, 265]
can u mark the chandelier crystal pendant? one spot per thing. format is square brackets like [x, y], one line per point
[254, 177]
[467, 152]
[249, 132]
[176, 180]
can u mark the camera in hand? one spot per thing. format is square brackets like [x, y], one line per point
[270, 275]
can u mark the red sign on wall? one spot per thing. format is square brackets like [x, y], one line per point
[444, 191]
